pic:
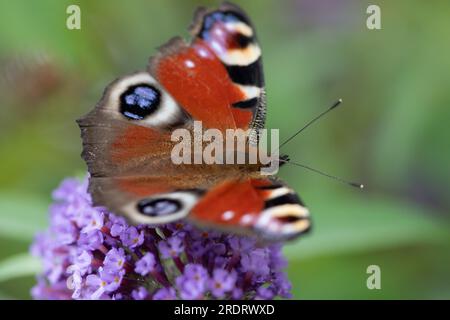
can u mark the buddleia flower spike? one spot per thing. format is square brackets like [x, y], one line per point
[90, 253]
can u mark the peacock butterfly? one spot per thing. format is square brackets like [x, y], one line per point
[217, 79]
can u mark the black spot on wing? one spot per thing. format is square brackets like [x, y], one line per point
[247, 104]
[139, 101]
[247, 75]
[158, 207]
[289, 219]
[242, 41]
[289, 198]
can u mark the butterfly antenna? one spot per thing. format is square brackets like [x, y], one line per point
[352, 184]
[338, 102]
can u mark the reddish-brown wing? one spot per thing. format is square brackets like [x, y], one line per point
[262, 206]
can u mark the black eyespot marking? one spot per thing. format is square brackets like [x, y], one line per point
[242, 40]
[139, 101]
[288, 219]
[158, 207]
[220, 16]
[289, 198]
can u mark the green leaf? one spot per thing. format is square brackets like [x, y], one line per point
[21, 216]
[17, 266]
[356, 223]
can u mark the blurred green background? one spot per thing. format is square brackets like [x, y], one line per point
[392, 133]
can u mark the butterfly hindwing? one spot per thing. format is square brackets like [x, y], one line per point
[246, 206]
[145, 200]
[263, 206]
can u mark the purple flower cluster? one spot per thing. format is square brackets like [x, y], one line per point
[89, 253]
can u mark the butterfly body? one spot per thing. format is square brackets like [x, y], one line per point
[128, 144]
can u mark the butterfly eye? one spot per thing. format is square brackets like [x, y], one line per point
[139, 101]
[158, 207]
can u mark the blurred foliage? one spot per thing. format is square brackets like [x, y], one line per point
[391, 133]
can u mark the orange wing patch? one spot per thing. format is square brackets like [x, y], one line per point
[233, 203]
[198, 80]
[142, 186]
[136, 142]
